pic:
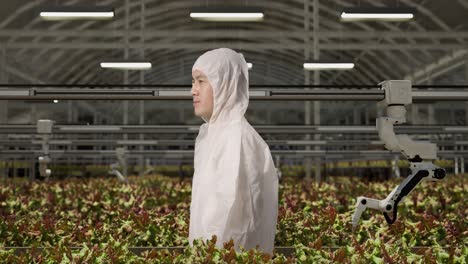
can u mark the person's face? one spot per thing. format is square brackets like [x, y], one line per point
[202, 93]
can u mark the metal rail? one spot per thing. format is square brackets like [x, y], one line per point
[104, 142]
[263, 129]
[34, 94]
[190, 153]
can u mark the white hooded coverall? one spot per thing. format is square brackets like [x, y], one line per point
[235, 183]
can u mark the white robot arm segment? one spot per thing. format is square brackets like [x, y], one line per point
[44, 129]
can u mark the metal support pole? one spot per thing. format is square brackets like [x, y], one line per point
[415, 114]
[32, 120]
[32, 168]
[3, 104]
[380, 110]
[430, 109]
[15, 169]
[462, 165]
[431, 115]
[453, 116]
[318, 163]
[3, 79]
[466, 81]
[395, 169]
[125, 77]
[366, 117]
[33, 114]
[142, 81]
[307, 105]
[356, 116]
[96, 121]
[126, 55]
[268, 114]
[70, 120]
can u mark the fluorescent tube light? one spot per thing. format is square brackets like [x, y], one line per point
[76, 15]
[258, 93]
[175, 93]
[74, 12]
[317, 66]
[90, 128]
[233, 17]
[14, 92]
[227, 14]
[127, 65]
[385, 14]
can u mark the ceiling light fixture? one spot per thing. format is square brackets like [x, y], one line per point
[227, 14]
[384, 14]
[126, 65]
[318, 66]
[76, 12]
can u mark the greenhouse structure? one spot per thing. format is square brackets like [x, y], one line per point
[287, 131]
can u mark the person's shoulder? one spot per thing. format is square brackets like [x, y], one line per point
[229, 130]
[234, 126]
[248, 130]
[250, 135]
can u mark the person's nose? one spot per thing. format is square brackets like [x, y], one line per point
[194, 89]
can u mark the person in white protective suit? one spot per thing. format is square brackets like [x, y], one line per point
[235, 183]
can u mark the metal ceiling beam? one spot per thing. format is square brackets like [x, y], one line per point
[173, 70]
[463, 3]
[442, 65]
[236, 33]
[96, 45]
[358, 73]
[380, 60]
[22, 75]
[27, 77]
[18, 12]
[422, 10]
[178, 6]
[160, 19]
[325, 34]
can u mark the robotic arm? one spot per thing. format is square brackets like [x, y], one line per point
[44, 128]
[121, 162]
[420, 154]
[149, 169]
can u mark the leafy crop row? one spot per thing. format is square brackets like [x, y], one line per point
[87, 220]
